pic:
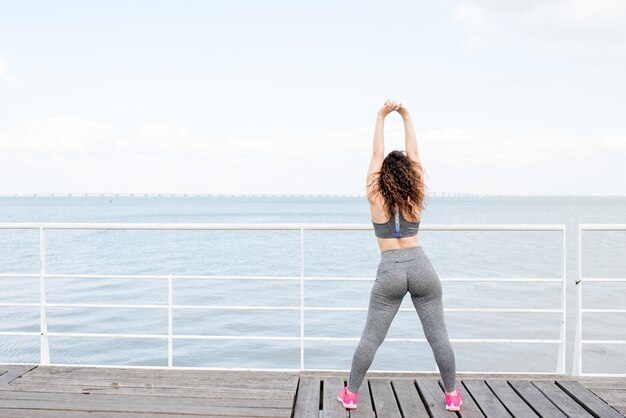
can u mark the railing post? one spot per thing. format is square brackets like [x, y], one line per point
[44, 350]
[170, 348]
[578, 367]
[560, 367]
[301, 298]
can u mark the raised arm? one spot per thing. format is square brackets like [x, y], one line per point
[409, 135]
[378, 152]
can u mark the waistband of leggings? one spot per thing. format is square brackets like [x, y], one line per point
[401, 254]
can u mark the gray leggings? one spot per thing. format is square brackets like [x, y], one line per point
[401, 271]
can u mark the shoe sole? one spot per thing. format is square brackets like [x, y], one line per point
[344, 405]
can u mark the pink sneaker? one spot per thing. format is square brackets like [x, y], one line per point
[348, 400]
[453, 403]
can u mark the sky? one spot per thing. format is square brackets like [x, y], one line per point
[250, 97]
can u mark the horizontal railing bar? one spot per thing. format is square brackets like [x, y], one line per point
[20, 275]
[602, 227]
[604, 310]
[234, 337]
[359, 309]
[393, 340]
[287, 278]
[21, 333]
[603, 341]
[272, 226]
[164, 277]
[267, 308]
[444, 279]
[100, 335]
[237, 308]
[602, 374]
[277, 338]
[454, 340]
[602, 279]
[102, 305]
[511, 310]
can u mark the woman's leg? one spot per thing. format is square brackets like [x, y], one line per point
[431, 315]
[426, 294]
[385, 299]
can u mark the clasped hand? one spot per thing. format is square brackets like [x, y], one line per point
[391, 106]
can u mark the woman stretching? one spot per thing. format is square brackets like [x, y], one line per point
[396, 191]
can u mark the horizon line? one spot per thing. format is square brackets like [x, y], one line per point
[362, 195]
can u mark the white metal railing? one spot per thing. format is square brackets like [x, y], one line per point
[579, 341]
[170, 306]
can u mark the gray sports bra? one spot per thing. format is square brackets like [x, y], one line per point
[397, 227]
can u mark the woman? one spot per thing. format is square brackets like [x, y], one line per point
[396, 192]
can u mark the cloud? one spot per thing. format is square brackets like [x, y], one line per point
[161, 140]
[579, 13]
[6, 77]
[573, 27]
[68, 135]
[483, 148]
[581, 27]
[77, 152]
[72, 136]
[472, 19]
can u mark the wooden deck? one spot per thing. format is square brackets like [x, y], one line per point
[55, 391]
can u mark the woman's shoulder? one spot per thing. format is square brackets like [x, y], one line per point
[377, 208]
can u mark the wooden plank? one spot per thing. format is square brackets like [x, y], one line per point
[249, 382]
[107, 372]
[592, 403]
[45, 413]
[601, 382]
[434, 397]
[217, 392]
[409, 400]
[308, 398]
[164, 384]
[562, 400]
[142, 404]
[511, 400]
[12, 373]
[486, 400]
[616, 400]
[469, 409]
[331, 407]
[536, 399]
[365, 408]
[383, 399]
[86, 371]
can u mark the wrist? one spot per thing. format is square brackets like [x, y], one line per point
[380, 117]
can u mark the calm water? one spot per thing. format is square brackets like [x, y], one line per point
[327, 253]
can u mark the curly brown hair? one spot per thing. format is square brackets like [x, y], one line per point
[400, 182]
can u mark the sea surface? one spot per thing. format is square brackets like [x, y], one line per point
[454, 254]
